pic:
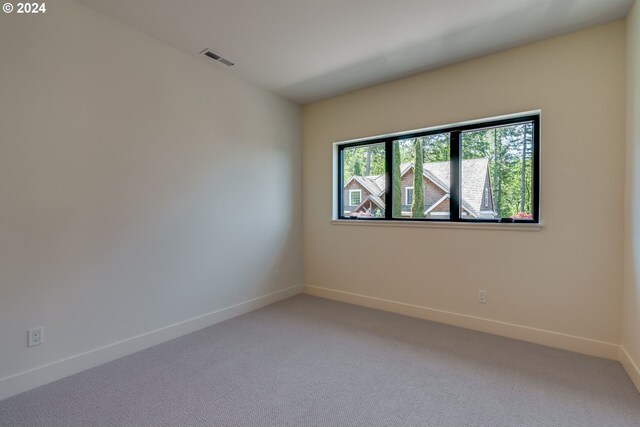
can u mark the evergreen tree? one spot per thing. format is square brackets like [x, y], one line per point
[523, 180]
[367, 167]
[436, 148]
[497, 182]
[397, 185]
[357, 168]
[417, 204]
[354, 159]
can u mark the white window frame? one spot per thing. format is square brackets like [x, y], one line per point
[359, 196]
[406, 195]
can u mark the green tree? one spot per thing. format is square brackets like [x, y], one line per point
[367, 166]
[397, 185]
[497, 181]
[436, 148]
[523, 173]
[417, 204]
[377, 161]
[357, 168]
[407, 151]
[354, 159]
[510, 153]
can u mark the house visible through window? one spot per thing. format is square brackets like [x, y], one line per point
[486, 171]
[363, 169]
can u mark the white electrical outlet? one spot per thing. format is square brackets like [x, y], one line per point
[35, 336]
[482, 296]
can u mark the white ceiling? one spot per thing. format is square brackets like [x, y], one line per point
[307, 50]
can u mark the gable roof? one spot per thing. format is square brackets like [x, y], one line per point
[474, 173]
[436, 203]
[374, 184]
[375, 199]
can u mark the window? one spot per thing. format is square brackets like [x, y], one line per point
[500, 160]
[427, 155]
[408, 195]
[363, 175]
[355, 197]
[485, 171]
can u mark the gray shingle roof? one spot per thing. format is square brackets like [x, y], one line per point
[474, 173]
[373, 183]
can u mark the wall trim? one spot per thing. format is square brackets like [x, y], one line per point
[630, 366]
[496, 327]
[35, 377]
[41, 375]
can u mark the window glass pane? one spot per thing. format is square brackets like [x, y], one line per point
[363, 179]
[497, 173]
[428, 196]
[355, 196]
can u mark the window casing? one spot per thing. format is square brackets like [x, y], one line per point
[509, 135]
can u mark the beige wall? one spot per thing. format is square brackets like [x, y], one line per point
[566, 278]
[140, 187]
[631, 314]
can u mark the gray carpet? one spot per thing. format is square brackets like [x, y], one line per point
[313, 362]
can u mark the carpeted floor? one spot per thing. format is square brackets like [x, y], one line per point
[313, 362]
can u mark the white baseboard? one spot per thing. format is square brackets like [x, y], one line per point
[44, 374]
[510, 330]
[630, 366]
[23, 381]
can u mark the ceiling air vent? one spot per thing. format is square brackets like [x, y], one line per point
[211, 54]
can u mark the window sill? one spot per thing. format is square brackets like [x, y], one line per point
[441, 224]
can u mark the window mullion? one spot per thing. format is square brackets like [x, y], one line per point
[340, 182]
[454, 185]
[536, 170]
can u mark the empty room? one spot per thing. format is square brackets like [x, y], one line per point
[320, 213]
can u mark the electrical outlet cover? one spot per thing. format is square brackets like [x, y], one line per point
[482, 296]
[35, 336]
